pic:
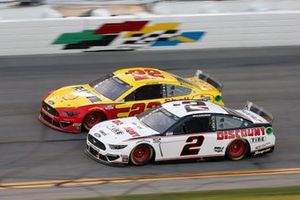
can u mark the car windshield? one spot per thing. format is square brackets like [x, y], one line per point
[159, 119]
[110, 86]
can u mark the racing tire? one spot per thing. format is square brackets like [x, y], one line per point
[92, 119]
[141, 155]
[237, 150]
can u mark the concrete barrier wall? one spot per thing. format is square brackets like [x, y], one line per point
[69, 35]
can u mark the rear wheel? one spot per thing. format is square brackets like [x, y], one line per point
[237, 150]
[92, 119]
[141, 154]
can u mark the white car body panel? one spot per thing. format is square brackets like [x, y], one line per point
[131, 132]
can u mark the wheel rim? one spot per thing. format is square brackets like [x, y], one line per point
[141, 154]
[91, 120]
[237, 149]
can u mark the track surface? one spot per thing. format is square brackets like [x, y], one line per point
[31, 151]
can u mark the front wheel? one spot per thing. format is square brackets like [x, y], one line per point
[237, 150]
[92, 119]
[141, 155]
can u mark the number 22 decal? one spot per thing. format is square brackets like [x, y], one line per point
[142, 74]
[193, 145]
[140, 107]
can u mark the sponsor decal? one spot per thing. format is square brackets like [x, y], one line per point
[263, 145]
[175, 99]
[69, 97]
[240, 133]
[131, 131]
[262, 151]
[50, 102]
[103, 133]
[116, 130]
[117, 122]
[258, 139]
[156, 140]
[132, 33]
[218, 149]
[97, 135]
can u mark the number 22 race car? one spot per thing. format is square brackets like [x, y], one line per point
[123, 93]
[183, 130]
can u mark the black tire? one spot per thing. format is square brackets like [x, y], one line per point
[237, 150]
[141, 155]
[91, 119]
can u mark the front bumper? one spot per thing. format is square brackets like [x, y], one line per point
[105, 157]
[57, 123]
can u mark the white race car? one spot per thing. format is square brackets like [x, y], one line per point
[183, 130]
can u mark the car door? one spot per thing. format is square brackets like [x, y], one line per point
[141, 99]
[188, 138]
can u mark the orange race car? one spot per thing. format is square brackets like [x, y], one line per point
[123, 93]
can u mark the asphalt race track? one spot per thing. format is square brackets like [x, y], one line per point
[29, 150]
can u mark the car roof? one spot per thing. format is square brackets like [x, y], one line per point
[189, 107]
[127, 75]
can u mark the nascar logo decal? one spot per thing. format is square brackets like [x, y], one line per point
[133, 33]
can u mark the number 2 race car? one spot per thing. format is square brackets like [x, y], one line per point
[182, 130]
[125, 92]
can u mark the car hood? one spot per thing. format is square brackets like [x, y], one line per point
[74, 96]
[121, 130]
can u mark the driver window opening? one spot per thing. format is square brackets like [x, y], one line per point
[145, 93]
[194, 125]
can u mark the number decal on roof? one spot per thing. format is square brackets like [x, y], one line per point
[198, 106]
[143, 74]
[193, 146]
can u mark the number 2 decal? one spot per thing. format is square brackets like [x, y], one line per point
[193, 146]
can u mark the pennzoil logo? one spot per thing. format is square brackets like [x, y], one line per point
[133, 33]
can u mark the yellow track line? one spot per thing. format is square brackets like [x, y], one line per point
[97, 181]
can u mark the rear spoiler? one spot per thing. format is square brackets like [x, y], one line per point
[259, 111]
[205, 77]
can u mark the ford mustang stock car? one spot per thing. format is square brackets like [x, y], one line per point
[190, 129]
[123, 93]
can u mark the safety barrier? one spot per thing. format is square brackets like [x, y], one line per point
[68, 35]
